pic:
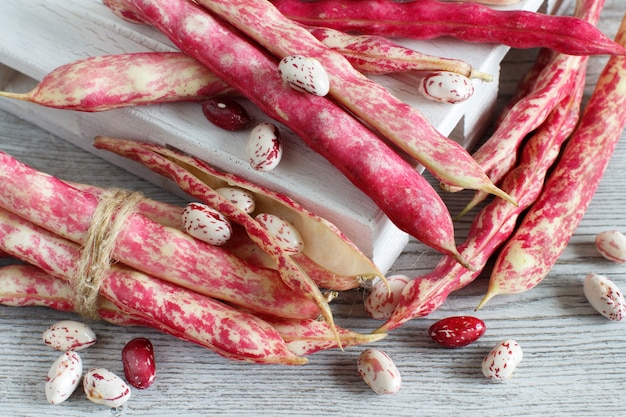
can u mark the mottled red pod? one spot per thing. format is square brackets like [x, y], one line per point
[457, 331]
[226, 112]
[139, 365]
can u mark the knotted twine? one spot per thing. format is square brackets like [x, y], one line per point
[96, 257]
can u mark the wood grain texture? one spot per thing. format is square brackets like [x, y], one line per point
[573, 358]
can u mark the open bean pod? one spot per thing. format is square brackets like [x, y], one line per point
[200, 180]
[324, 245]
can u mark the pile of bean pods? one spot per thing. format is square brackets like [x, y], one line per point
[250, 273]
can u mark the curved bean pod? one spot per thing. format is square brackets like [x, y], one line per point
[548, 226]
[399, 122]
[379, 55]
[112, 81]
[229, 332]
[187, 179]
[353, 149]
[26, 285]
[161, 251]
[496, 222]
[326, 244]
[463, 20]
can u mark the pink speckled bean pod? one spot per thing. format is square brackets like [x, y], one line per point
[496, 221]
[528, 81]
[325, 127]
[335, 252]
[307, 336]
[241, 245]
[186, 172]
[498, 154]
[399, 122]
[112, 81]
[229, 332]
[379, 55]
[147, 246]
[462, 20]
[26, 285]
[548, 226]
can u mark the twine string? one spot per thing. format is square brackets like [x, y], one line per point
[114, 208]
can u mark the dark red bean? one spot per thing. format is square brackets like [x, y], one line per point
[138, 360]
[226, 112]
[457, 331]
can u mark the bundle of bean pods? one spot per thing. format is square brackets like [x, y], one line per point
[121, 257]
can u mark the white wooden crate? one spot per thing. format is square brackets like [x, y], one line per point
[40, 35]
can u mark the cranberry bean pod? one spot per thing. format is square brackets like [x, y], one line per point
[498, 154]
[379, 55]
[492, 2]
[183, 312]
[527, 82]
[496, 222]
[289, 271]
[157, 250]
[462, 20]
[548, 226]
[107, 82]
[241, 245]
[399, 122]
[159, 212]
[202, 180]
[27, 285]
[326, 128]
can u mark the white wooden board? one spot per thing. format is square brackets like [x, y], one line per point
[40, 35]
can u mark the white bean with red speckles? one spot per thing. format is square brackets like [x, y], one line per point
[104, 387]
[63, 377]
[285, 234]
[206, 224]
[604, 296]
[612, 245]
[378, 371]
[382, 300]
[501, 362]
[264, 148]
[446, 87]
[69, 335]
[304, 74]
[243, 199]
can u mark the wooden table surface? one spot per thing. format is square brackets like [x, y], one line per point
[574, 359]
